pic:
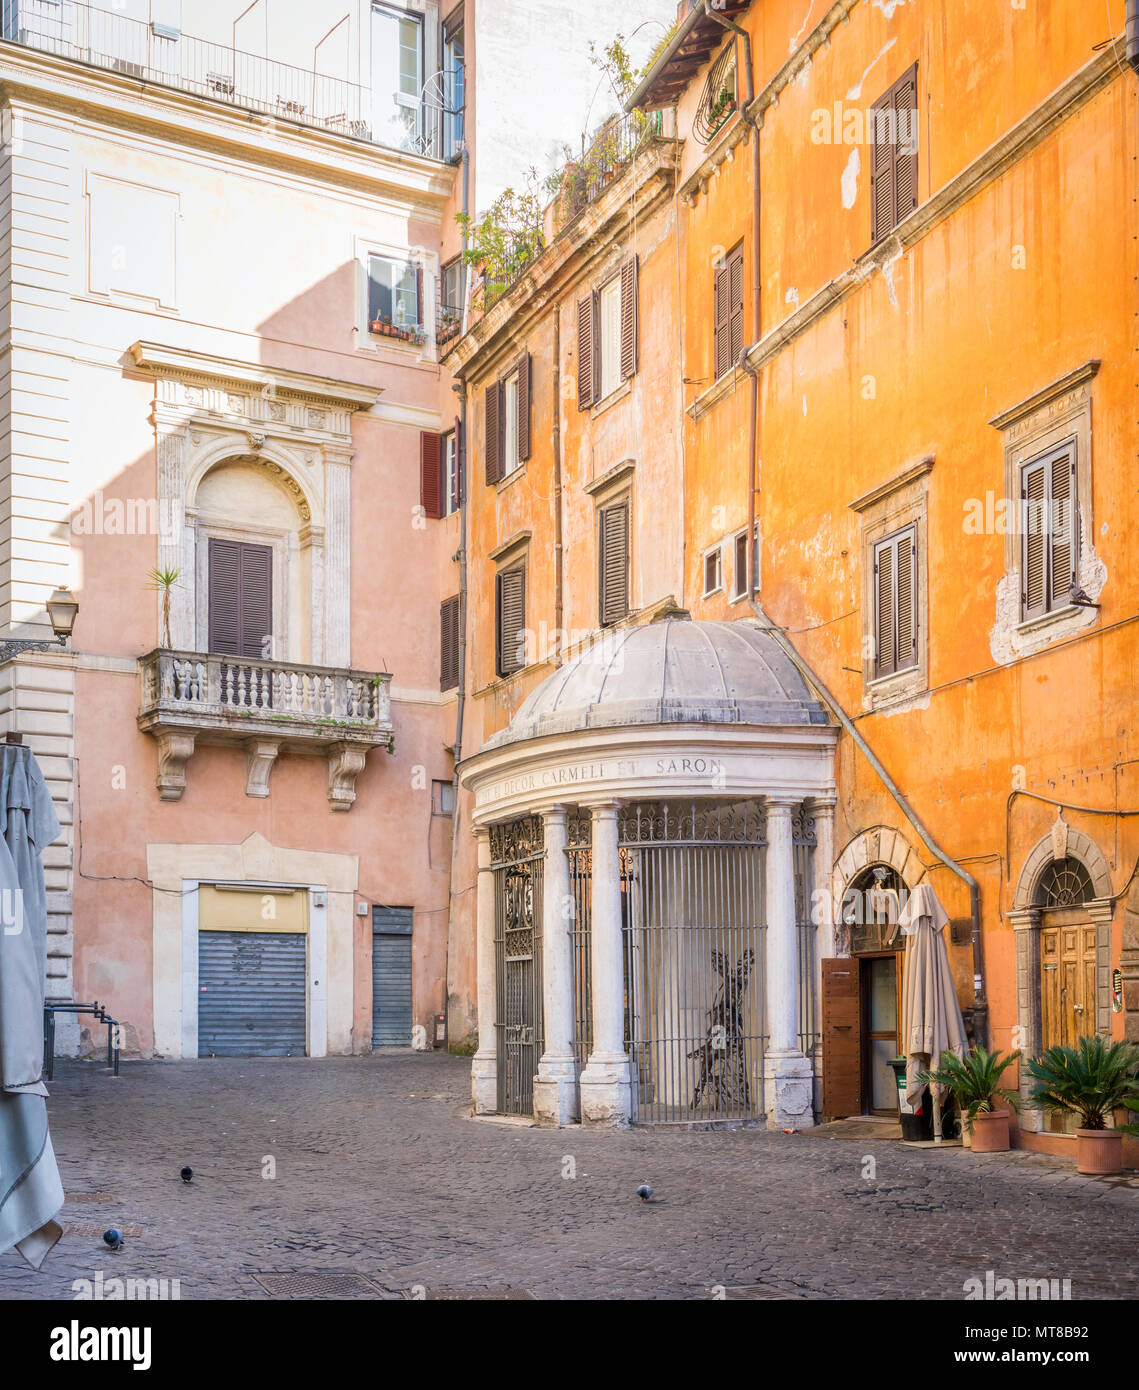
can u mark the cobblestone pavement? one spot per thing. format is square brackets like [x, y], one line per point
[380, 1171]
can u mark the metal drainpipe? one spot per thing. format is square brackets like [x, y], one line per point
[460, 709]
[980, 1006]
[559, 555]
[1132, 34]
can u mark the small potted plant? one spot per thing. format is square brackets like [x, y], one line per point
[1091, 1080]
[985, 1104]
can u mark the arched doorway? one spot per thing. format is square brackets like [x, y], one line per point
[871, 910]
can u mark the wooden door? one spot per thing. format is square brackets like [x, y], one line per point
[1067, 982]
[842, 1038]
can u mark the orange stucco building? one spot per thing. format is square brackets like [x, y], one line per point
[885, 315]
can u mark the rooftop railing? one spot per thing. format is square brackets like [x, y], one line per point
[152, 52]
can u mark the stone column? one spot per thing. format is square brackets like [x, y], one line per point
[555, 1088]
[788, 1074]
[1026, 930]
[484, 1067]
[606, 1082]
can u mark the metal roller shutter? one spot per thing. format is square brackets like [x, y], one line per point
[251, 994]
[391, 976]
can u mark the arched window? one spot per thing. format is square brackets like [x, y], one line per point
[871, 906]
[1064, 883]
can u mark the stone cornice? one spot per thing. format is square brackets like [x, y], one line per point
[159, 360]
[1029, 132]
[569, 257]
[79, 90]
[895, 484]
[1069, 382]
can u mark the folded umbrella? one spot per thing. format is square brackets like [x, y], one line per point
[31, 1193]
[931, 1017]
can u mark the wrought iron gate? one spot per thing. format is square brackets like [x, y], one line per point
[517, 851]
[803, 840]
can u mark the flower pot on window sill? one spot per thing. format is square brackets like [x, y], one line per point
[990, 1132]
[1099, 1151]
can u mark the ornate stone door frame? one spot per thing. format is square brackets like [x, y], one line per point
[1025, 917]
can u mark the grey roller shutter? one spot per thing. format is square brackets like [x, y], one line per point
[391, 976]
[251, 994]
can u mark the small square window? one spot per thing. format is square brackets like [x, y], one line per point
[393, 293]
[442, 798]
[713, 571]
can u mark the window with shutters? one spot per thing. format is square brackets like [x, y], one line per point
[613, 562]
[713, 571]
[895, 603]
[507, 421]
[1049, 561]
[510, 619]
[607, 337]
[728, 311]
[240, 598]
[893, 136]
[449, 611]
[394, 295]
[451, 476]
[895, 592]
[739, 565]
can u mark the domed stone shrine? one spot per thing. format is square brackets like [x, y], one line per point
[653, 827]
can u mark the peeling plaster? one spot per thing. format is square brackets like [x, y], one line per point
[802, 27]
[804, 405]
[804, 73]
[888, 274]
[887, 6]
[792, 297]
[856, 91]
[1007, 641]
[850, 179]
[903, 706]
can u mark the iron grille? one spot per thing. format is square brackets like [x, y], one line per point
[517, 851]
[803, 841]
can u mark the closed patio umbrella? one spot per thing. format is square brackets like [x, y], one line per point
[30, 1190]
[931, 1017]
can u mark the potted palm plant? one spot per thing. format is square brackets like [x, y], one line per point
[1091, 1080]
[975, 1080]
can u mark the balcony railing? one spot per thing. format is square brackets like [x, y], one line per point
[153, 53]
[190, 697]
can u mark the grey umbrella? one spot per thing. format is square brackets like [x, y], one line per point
[30, 1190]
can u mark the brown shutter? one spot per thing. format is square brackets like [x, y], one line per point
[449, 644]
[736, 306]
[885, 655]
[613, 563]
[629, 278]
[510, 587]
[1062, 534]
[882, 217]
[225, 604]
[241, 598]
[905, 590]
[524, 374]
[492, 445]
[721, 319]
[430, 473]
[842, 1038]
[586, 357]
[906, 150]
[1034, 540]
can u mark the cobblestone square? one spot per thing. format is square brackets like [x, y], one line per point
[381, 1173]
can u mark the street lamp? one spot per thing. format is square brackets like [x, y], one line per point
[61, 609]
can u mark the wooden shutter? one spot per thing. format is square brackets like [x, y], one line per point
[492, 449]
[842, 1038]
[885, 653]
[524, 373]
[721, 319]
[1034, 540]
[735, 306]
[510, 596]
[1062, 536]
[906, 150]
[587, 357]
[882, 216]
[241, 598]
[613, 563]
[431, 473]
[629, 276]
[905, 599]
[449, 644]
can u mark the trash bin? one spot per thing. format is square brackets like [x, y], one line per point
[917, 1121]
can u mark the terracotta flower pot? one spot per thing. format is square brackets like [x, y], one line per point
[1099, 1151]
[990, 1132]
